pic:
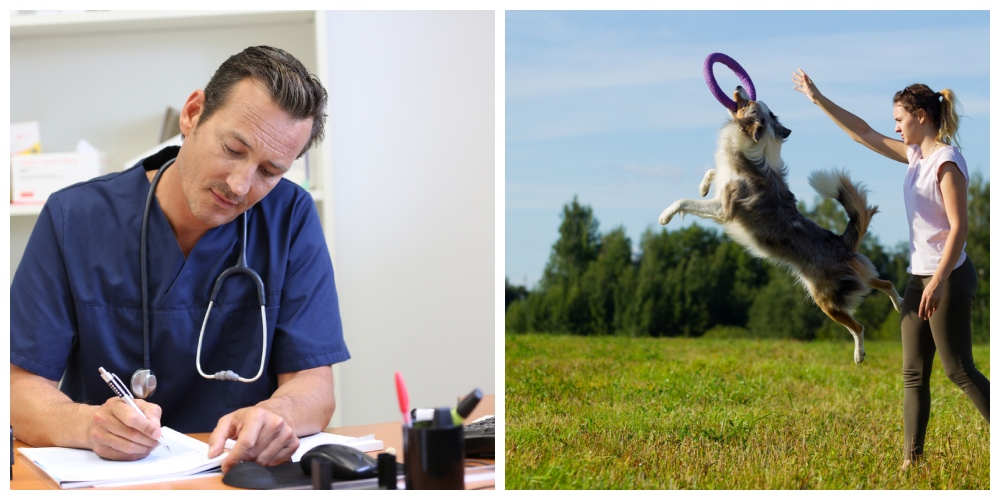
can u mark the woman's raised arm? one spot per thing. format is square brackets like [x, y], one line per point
[855, 127]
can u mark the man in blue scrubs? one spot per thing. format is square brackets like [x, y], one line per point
[76, 295]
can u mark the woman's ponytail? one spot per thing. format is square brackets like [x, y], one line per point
[948, 130]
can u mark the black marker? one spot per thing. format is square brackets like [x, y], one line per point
[458, 414]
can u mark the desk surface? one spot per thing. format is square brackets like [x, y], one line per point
[27, 476]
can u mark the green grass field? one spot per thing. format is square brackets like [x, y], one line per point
[612, 412]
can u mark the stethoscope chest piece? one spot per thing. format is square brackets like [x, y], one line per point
[143, 383]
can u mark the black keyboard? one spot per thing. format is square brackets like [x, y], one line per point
[479, 438]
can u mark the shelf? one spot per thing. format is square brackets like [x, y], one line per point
[81, 23]
[34, 210]
[25, 210]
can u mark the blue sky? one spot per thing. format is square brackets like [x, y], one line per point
[612, 107]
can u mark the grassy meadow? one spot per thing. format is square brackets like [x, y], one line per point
[671, 413]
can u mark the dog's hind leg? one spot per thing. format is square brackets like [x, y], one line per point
[706, 182]
[857, 330]
[707, 209]
[886, 287]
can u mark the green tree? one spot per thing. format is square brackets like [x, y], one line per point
[737, 276]
[563, 305]
[978, 249]
[513, 293]
[516, 317]
[606, 282]
[648, 313]
[783, 309]
[675, 287]
[578, 244]
[547, 311]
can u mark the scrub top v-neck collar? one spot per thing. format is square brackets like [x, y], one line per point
[170, 267]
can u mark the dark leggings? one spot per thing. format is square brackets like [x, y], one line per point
[949, 331]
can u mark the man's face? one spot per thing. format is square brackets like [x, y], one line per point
[232, 160]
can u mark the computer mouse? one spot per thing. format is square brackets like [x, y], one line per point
[347, 462]
[250, 475]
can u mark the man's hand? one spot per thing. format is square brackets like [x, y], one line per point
[117, 432]
[261, 436]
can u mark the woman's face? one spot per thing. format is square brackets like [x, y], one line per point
[908, 125]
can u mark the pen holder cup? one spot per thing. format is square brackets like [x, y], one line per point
[434, 458]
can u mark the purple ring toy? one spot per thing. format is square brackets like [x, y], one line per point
[713, 86]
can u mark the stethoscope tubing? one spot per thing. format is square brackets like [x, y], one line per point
[241, 267]
[143, 265]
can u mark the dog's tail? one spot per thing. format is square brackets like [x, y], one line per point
[854, 199]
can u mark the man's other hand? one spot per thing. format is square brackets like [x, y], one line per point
[261, 436]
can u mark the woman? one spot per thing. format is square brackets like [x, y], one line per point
[937, 304]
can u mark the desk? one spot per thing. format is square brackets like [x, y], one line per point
[26, 476]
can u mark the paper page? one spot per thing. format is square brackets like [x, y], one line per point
[186, 455]
[364, 443]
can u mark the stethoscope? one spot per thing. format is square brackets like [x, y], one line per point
[143, 380]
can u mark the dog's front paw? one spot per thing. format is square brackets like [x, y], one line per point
[705, 186]
[706, 182]
[666, 215]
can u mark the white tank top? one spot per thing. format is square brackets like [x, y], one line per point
[925, 212]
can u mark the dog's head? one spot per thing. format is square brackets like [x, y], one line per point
[755, 119]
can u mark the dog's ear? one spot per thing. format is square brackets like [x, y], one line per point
[741, 97]
[781, 131]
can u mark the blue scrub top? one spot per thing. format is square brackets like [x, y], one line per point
[76, 301]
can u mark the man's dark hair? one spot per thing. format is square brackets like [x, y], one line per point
[298, 92]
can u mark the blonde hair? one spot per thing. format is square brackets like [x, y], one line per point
[948, 129]
[940, 107]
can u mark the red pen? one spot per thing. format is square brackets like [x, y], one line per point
[404, 398]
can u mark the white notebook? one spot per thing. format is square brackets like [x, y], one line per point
[185, 459]
[73, 468]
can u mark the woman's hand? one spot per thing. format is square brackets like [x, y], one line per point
[805, 85]
[929, 300]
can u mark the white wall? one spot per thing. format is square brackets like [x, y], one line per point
[410, 149]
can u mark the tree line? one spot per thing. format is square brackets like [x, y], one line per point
[696, 281]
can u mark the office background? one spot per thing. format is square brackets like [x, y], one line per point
[403, 181]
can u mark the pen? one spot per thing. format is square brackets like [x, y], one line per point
[403, 397]
[458, 413]
[466, 405]
[120, 390]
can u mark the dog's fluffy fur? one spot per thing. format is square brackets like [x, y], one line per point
[754, 205]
